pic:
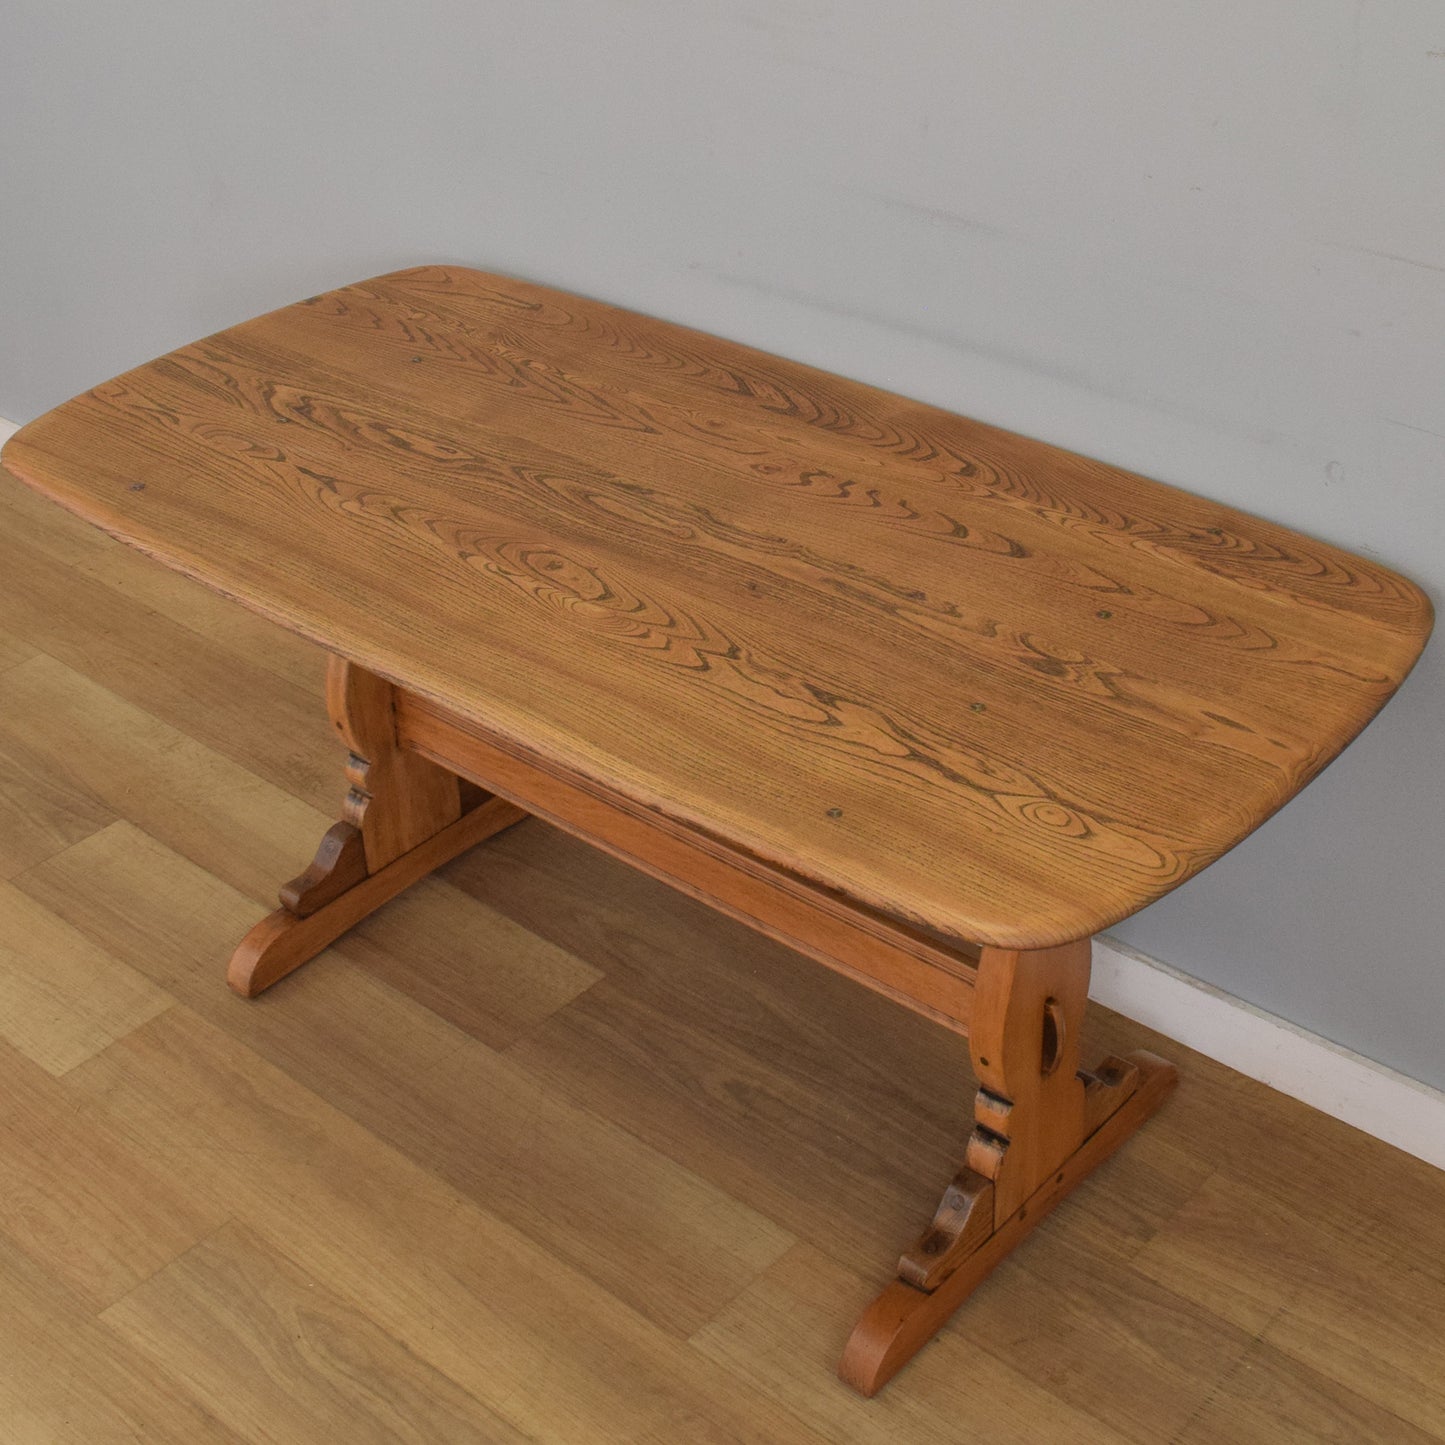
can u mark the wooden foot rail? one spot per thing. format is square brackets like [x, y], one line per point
[417, 799]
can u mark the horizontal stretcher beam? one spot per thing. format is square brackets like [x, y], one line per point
[901, 963]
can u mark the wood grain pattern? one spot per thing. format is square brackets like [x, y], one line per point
[282, 941]
[65, 1379]
[903, 1318]
[101, 1229]
[277, 1356]
[1030, 1112]
[898, 962]
[339, 864]
[60, 726]
[994, 688]
[339, 1130]
[177, 675]
[662, 1242]
[13, 651]
[396, 798]
[62, 999]
[1041, 1123]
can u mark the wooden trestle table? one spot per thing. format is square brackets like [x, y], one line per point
[930, 702]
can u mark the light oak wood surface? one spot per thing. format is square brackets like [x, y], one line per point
[677, 602]
[354, 1208]
[990, 687]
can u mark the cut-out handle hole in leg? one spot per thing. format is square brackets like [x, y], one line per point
[1053, 1042]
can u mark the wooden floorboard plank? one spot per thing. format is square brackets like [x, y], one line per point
[44, 807]
[1356, 1307]
[463, 960]
[62, 998]
[40, 813]
[79, 1198]
[1384, 1345]
[786, 1330]
[276, 1355]
[544, 1150]
[540, 1345]
[666, 1241]
[67, 1380]
[821, 1105]
[13, 650]
[1270, 1399]
[90, 553]
[59, 723]
[837, 1114]
[267, 723]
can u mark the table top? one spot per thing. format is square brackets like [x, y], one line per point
[985, 685]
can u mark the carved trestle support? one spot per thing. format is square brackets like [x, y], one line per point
[402, 817]
[1041, 1124]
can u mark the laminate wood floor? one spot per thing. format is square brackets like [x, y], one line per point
[544, 1151]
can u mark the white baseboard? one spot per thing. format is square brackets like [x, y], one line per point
[1390, 1105]
[1345, 1085]
[7, 430]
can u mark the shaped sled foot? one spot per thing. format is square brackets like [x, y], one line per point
[404, 816]
[1041, 1124]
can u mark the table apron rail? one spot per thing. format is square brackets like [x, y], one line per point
[901, 963]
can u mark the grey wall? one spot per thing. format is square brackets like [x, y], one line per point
[1201, 238]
